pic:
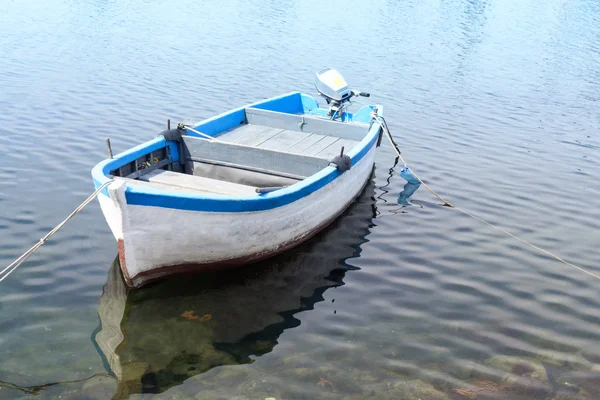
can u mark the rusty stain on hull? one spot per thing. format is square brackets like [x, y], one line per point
[122, 263]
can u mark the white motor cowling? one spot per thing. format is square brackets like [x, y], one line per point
[331, 85]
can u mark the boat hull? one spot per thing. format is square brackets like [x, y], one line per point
[155, 242]
[259, 303]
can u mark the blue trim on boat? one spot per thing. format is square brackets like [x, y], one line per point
[148, 196]
[101, 171]
[173, 150]
[215, 125]
[308, 103]
[362, 116]
[290, 103]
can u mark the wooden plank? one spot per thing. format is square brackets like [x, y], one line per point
[282, 162]
[304, 123]
[243, 176]
[167, 187]
[198, 161]
[197, 183]
[349, 144]
[320, 145]
[233, 134]
[303, 145]
[283, 140]
[264, 135]
[249, 135]
[334, 149]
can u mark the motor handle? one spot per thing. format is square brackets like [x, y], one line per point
[362, 94]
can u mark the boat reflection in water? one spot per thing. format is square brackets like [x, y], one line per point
[157, 337]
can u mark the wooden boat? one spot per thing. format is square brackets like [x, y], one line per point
[239, 187]
[156, 338]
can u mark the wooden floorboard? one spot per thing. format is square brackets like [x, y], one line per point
[335, 148]
[249, 135]
[321, 145]
[197, 183]
[304, 143]
[283, 140]
[258, 135]
[234, 134]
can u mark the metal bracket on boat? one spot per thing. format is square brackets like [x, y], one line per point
[301, 124]
[342, 162]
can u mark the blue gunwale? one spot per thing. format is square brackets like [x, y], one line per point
[294, 102]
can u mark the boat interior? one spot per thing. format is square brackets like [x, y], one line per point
[245, 152]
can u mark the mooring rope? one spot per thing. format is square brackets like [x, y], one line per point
[15, 264]
[204, 135]
[376, 118]
[383, 124]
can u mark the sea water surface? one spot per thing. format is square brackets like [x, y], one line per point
[495, 103]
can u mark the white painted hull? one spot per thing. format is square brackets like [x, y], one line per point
[157, 241]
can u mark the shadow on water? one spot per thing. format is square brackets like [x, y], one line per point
[157, 337]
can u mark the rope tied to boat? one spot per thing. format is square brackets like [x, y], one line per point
[203, 135]
[385, 129]
[381, 121]
[15, 264]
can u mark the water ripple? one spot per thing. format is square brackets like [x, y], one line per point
[494, 104]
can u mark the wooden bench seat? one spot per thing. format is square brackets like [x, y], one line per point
[198, 183]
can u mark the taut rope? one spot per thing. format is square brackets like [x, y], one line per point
[15, 264]
[383, 124]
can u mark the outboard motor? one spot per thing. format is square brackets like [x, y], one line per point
[331, 85]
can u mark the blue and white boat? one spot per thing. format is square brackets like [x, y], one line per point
[241, 186]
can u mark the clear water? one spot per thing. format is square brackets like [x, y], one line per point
[496, 103]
